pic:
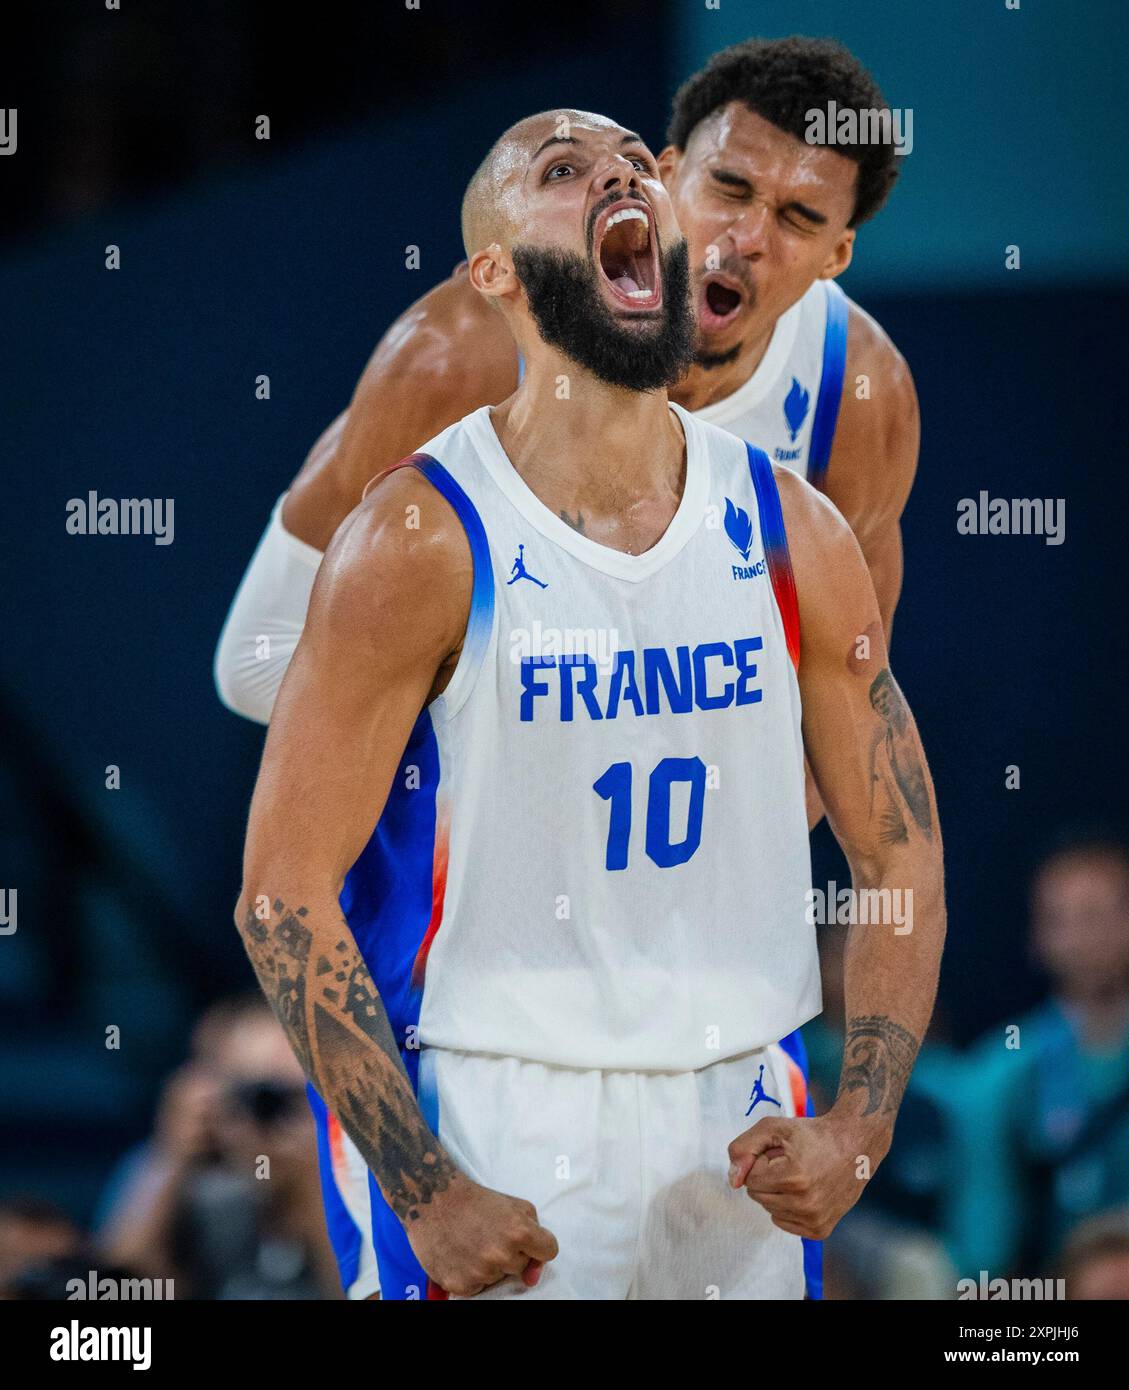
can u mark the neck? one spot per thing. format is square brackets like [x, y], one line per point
[600, 444]
[702, 386]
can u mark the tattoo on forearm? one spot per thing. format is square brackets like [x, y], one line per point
[338, 1027]
[878, 1056]
[577, 524]
[904, 755]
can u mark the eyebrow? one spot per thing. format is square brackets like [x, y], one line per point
[556, 140]
[629, 139]
[733, 180]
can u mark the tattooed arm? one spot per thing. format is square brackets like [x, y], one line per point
[387, 616]
[867, 761]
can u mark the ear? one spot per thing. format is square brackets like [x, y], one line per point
[840, 257]
[491, 272]
[669, 162]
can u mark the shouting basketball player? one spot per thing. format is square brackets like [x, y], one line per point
[545, 998]
[782, 357]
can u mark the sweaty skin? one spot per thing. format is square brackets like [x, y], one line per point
[738, 187]
[386, 622]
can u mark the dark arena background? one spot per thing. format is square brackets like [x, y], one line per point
[999, 268]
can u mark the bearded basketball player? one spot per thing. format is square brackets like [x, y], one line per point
[782, 357]
[545, 998]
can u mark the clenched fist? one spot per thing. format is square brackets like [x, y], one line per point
[806, 1173]
[469, 1237]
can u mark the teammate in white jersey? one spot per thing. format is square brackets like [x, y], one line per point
[544, 997]
[783, 358]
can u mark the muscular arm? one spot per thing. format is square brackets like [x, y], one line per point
[872, 466]
[874, 456]
[866, 759]
[385, 616]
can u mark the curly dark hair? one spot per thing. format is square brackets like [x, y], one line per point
[782, 80]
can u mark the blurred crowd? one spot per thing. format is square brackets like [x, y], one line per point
[223, 1198]
[1010, 1158]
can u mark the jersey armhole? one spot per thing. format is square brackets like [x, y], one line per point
[775, 542]
[480, 623]
[830, 386]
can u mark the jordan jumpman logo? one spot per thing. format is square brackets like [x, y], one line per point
[520, 572]
[758, 1093]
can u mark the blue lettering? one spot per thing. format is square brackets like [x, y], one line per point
[623, 679]
[702, 652]
[746, 669]
[656, 666]
[585, 689]
[530, 685]
[675, 681]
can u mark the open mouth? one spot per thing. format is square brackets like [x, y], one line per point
[627, 254]
[721, 298]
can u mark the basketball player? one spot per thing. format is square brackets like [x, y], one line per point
[783, 358]
[544, 998]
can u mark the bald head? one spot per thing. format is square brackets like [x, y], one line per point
[491, 203]
[570, 234]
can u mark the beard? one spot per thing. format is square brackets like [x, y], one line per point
[571, 315]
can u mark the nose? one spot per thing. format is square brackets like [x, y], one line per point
[618, 172]
[750, 232]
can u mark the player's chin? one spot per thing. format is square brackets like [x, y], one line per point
[643, 327]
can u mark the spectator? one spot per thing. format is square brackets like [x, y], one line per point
[1045, 1106]
[225, 1196]
[1095, 1259]
[32, 1233]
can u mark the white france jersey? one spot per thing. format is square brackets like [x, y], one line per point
[595, 850]
[790, 405]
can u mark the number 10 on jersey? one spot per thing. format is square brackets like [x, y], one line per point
[614, 786]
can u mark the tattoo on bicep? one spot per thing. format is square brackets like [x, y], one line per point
[878, 1056]
[336, 1022]
[892, 824]
[903, 753]
[577, 524]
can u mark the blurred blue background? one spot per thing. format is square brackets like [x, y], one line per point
[287, 257]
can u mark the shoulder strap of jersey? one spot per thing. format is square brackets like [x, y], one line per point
[775, 543]
[481, 617]
[830, 385]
